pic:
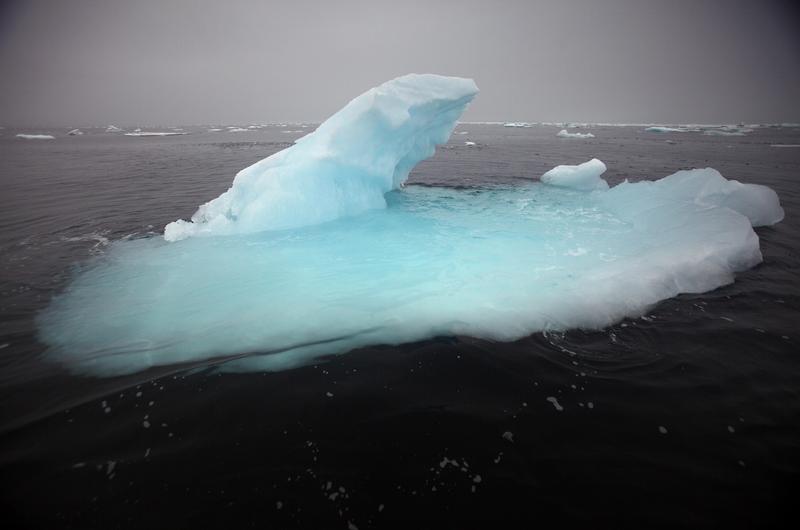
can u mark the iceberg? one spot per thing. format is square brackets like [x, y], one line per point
[497, 262]
[36, 136]
[345, 166]
[563, 133]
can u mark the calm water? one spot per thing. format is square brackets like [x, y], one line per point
[689, 416]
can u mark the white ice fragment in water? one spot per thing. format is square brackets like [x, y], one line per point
[555, 403]
[563, 133]
[155, 133]
[662, 129]
[470, 144]
[662, 429]
[508, 436]
[146, 424]
[36, 136]
[583, 177]
[75, 132]
[329, 394]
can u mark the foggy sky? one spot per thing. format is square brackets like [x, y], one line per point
[94, 62]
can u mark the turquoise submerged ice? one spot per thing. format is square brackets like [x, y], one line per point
[498, 263]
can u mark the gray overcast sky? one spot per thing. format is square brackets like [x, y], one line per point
[83, 62]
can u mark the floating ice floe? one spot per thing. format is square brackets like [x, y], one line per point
[563, 133]
[238, 129]
[317, 250]
[470, 144]
[154, 133]
[661, 129]
[584, 177]
[726, 132]
[75, 132]
[113, 129]
[517, 124]
[36, 136]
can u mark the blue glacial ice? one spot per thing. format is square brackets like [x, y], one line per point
[318, 256]
[344, 167]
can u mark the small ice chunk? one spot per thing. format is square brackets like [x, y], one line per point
[555, 403]
[36, 137]
[662, 129]
[662, 429]
[508, 436]
[75, 132]
[469, 144]
[563, 133]
[583, 177]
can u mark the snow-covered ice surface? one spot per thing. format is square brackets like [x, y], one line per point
[497, 263]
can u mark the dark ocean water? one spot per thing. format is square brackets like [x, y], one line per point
[688, 416]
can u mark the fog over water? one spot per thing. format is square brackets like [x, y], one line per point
[89, 62]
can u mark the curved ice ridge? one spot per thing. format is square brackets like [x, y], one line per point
[344, 167]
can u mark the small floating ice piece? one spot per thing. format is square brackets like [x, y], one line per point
[583, 177]
[555, 403]
[563, 133]
[36, 136]
[154, 133]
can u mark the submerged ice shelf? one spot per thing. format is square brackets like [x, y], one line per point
[350, 260]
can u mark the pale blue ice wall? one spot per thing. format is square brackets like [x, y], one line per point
[345, 166]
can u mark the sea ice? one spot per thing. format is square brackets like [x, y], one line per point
[584, 176]
[345, 166]
[75, 132]
[36, 136]
[282, 284]
[661, 129]
[563, 133]
[151, 133]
